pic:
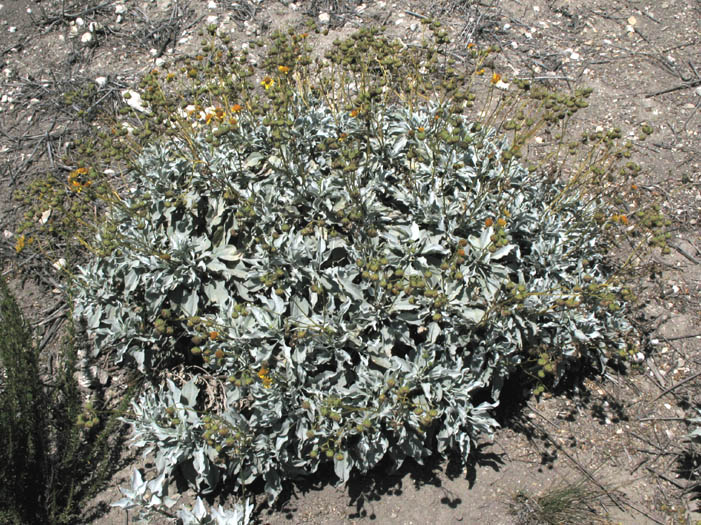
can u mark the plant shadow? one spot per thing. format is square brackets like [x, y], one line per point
[363, 490]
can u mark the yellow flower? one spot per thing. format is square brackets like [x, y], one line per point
[496, 77]
[501, 222]
[267, 82]
[480, 71]
[74, 179]
[208, 117]
[283, 69]
[264, 377]
[354, 113]
[19, 246]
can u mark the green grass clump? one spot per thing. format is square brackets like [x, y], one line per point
[568, 504]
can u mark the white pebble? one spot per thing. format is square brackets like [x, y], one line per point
[324, 18]
[86, 38]
[101, 81]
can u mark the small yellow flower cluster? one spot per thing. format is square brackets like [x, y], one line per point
[264, 375]
[75, 179]
[267, 82]
[622, 219]
[20, 244]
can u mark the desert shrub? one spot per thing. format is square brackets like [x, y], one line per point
[322, 286]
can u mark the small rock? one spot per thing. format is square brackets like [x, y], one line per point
[698, 91]
[212, 4]
[101, 81]
[87, 37]
[160, 62]
[79, 21]
[632, 21]
[60, 263]
[120, 9]
[12, 29]
[324, 18]
[133, 99]
[212, 19]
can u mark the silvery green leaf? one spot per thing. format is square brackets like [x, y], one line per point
[191, 303]
[189, 392]
[254, 160]
[199, 509]
[342, 468]
[501, 252]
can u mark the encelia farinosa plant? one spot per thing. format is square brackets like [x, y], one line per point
[324, 286]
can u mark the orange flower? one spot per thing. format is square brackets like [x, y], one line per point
[501, 222]
[283, 69]
[236, 108]
[219, 354]
[213, 335]
[304, 35]
[219, 112]
[488, 222]
[354, 113]
[470, 45]
[267, 83]
[208, 117]
[623, 219]
[496, 77]
[420, 129]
